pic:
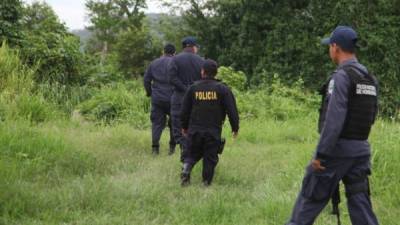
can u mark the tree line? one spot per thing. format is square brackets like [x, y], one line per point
[264, 39]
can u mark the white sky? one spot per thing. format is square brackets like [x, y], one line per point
[73, 12]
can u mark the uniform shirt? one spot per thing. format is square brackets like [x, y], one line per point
[156, 82]
[184, 69]
[225, 100]
[330, 143]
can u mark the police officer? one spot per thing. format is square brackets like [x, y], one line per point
[183, 70]
[157, 86]
[348, 111]
[204, 109]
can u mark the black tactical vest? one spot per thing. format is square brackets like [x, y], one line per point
[362, 104]
[207, 109]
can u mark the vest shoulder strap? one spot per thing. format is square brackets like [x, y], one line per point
[354, 72]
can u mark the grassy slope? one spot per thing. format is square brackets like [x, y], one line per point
[72, 173]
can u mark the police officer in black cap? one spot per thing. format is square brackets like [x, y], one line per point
[183, 70]
[157, 86]
[348, 111]
[205, 106]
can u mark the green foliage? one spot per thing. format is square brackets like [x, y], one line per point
[262, 38]
[79, 173]
[277, 101]
[134, 50]
[109, 18]
[29, 107]
[10, 16]
[118, 103]
[48, 44]
[168, 28]
[235, 80]
[29, 155]
[17, 95]
[15, 77]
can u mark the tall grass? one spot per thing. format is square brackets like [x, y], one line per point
[18, 98]
[71, 173]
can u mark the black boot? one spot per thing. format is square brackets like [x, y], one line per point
[206, 183]
[156, 150]
[185, 175]
[171, 149]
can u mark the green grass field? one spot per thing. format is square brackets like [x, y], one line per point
[78, 173]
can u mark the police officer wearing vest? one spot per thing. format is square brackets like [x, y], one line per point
[348, 111]
[205, 106]
[183, 70]
[157, 86]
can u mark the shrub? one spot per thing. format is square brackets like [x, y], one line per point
[234, 79]
[17, 99]
[118, 103]
[15, 77]
[277, 101]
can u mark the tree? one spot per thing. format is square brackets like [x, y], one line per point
[10, 16]
[48, 46]
[134, 50]
[109, 18]
[263, 38]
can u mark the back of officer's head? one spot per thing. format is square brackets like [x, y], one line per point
[209, 69]
[169, 49]
[190, 42]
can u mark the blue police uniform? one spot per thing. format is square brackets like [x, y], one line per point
[205, 106]
[184, 69]
[157, 86]
[348, 111]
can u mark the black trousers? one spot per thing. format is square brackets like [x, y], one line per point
[177, 129]
[158, 116]
[203, 145]
[318, 187]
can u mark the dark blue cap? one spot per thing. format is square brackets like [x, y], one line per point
[189, 41]
[169, 49]
[343, 36]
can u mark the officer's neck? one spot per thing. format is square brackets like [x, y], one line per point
[346, 57]
[189, 49]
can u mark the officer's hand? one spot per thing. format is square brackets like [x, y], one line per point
[184, 132]
[316, 165]
[235, 134]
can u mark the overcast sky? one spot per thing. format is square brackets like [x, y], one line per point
[73, 13]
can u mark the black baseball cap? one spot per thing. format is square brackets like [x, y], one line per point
[344, 36]
[190, 41]
[169, 49]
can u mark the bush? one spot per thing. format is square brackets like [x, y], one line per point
[118, 103]
[15, 77]
[17, 99]
[277, 101]
[48, 45]
[234, 79]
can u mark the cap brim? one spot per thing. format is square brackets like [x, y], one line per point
[326, 41]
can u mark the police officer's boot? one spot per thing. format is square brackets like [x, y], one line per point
[171, 149]
[206, 183]
[156, 150]
[185, 175]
